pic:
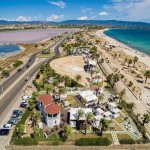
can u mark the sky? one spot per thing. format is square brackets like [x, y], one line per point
[59, 10]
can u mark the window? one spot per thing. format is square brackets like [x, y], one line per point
[49, 115]
[55, 115]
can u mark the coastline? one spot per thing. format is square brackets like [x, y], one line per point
[4, 56]
[144, 58]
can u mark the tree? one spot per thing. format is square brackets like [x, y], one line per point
[20, 130]
[146, 118]
[129, 62]
[122, 93]
[88, 117]
[31, 105]
[66, 132]
[135, 60]
[5, 73]
[130, 106]
[100, 98]
[105, 124]
[80, 114]
[147, 75]
[110, 78]
[35, 116]
[78, 78]
[116, 78]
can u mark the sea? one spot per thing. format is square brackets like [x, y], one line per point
[7, 49]
[138, 39]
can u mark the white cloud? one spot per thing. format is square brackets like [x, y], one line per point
[133, 10]
[83, 18]
[104, 14]
[54, 17]
[60, 4]
[23, 18]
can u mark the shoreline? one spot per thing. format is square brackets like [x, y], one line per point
[4, 56]
[144, 58]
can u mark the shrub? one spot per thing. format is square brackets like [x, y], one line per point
[5, 73]
[26, 141]
[92, 142]
[127, 141]
[17, 63]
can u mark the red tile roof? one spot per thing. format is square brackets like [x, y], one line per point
[52, 109]
[49, 106]
[45, 99]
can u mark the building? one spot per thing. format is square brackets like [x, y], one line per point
[114, 110]
[73, 115]
[49, 110]
[89, 97]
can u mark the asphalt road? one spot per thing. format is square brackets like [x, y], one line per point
[31, 60]
[8, 98]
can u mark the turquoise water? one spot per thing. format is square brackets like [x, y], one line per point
[135, 38]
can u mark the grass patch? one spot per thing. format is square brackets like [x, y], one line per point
[72, 100]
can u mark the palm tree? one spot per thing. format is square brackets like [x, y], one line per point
[31, 105]
[135, 60]
[78, 77]
[130, 106]
[105, 124]
[110, 78]
[147, 75]
[129, 62]
[88, 117]
[80, 114]
[116, 78]
[146, 118]
[35, 116]
[122, 93]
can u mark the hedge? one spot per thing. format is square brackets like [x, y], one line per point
[127, 141]
[27, 141]
[92, 142]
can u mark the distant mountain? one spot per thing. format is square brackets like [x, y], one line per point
[106, 23]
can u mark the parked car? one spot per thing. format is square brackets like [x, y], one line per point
[4, 131]
[24, 104]
[7, 126]
[16, 116]
[26, 97]
[12, 121]
[19, 112]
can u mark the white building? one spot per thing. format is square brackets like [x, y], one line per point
[74, 115]
[108, 115]
[49, 110]
[89, 97]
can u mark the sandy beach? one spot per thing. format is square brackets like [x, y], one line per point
[120, 46]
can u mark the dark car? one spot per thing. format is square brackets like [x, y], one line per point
[18, 112]
[24, 105]
[4, 131]
[13, 121]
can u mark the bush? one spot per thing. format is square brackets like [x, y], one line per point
[127, 141]
[92, 142]
[17, 63]
[5, 73]
[26, 141]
